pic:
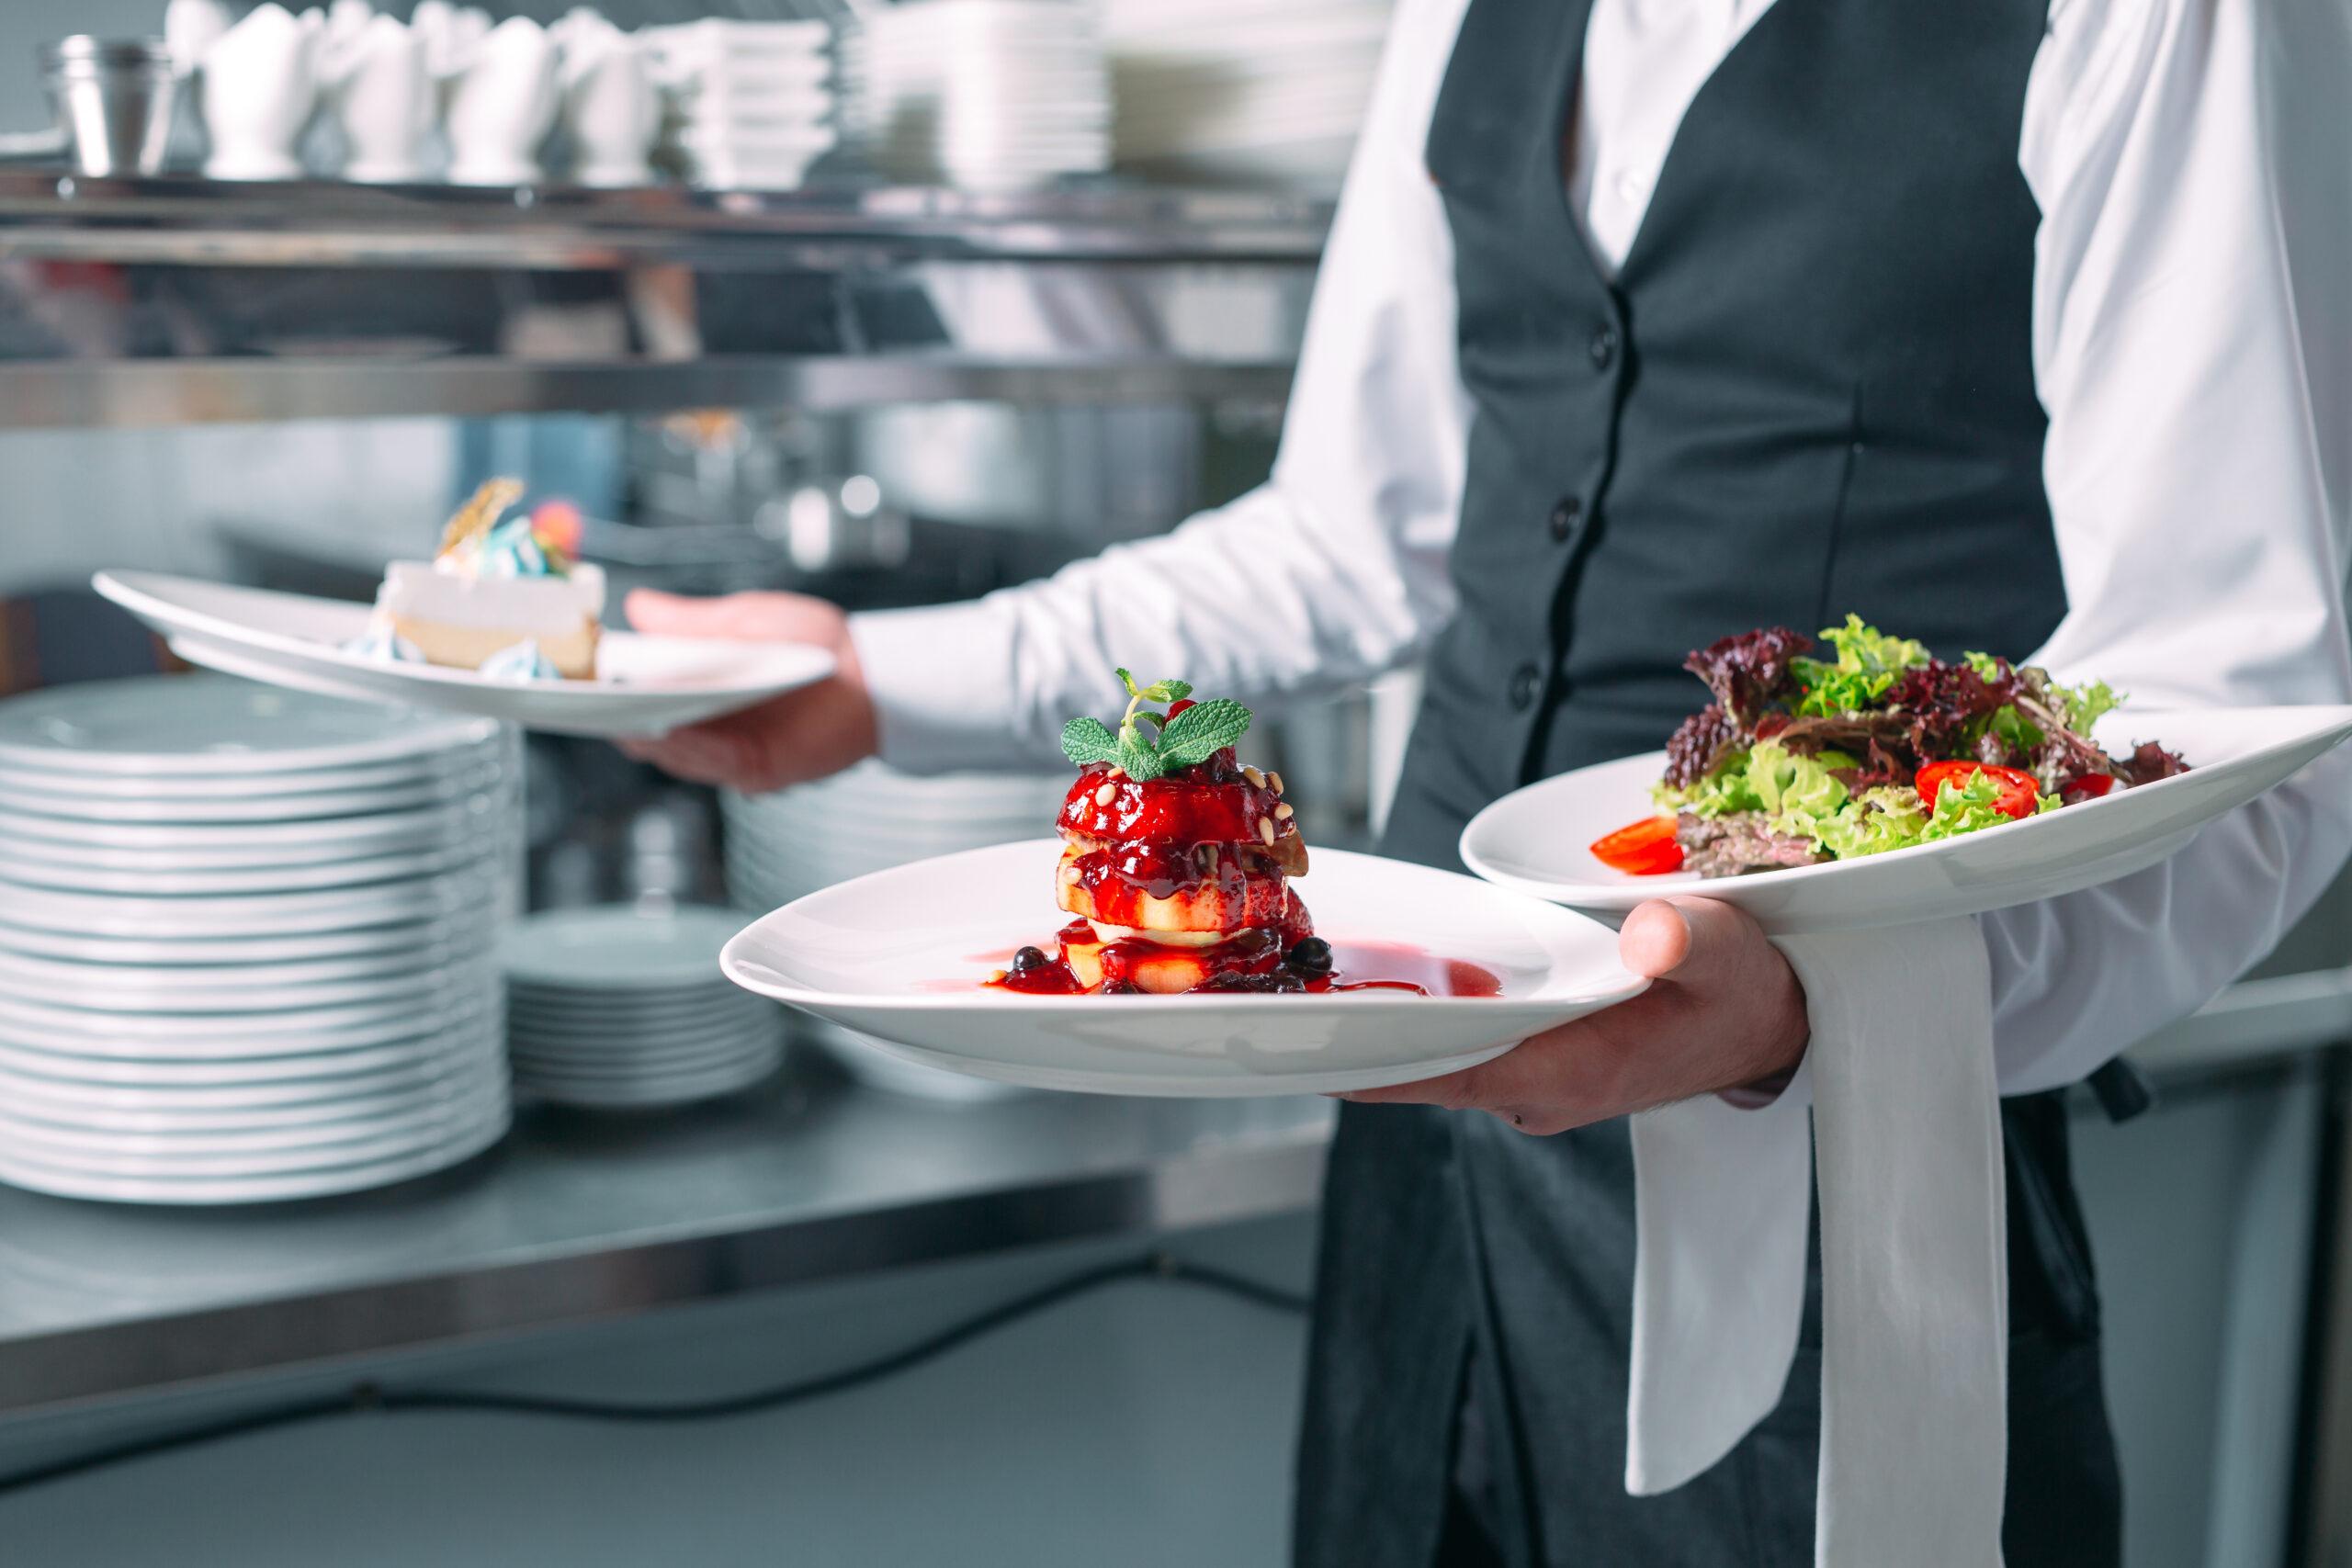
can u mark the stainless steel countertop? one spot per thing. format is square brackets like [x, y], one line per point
[577, 1217]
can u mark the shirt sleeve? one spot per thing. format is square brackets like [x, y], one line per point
[2195, 411]
[1330, 572]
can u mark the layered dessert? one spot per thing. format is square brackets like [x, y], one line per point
[503, 596]
[1176, 862]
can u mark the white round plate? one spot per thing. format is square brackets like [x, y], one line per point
[328, 1062]
[317, 1143]
[645, 685]
[196, 949]
[252, 1002]
[669, 1091]
[670, 1045]
[336, 1120]
[165, 725]
[205, 880]
[258, 807]
[1535, 841]
[260, 914]
[653, 1033]
[180, 980]
[599, 952]
[462, 820]
[900, 955]
[353, 1094]
[209, 1037]
[318, 1182]
[453, 764]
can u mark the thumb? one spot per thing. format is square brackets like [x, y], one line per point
[1691, 939]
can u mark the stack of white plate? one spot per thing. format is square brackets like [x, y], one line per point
[872, 817]
[989, 95]
[1251, 90]
[248, 940]
[625, 1007]
[746, 103]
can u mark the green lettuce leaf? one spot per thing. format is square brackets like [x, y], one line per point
[1720, 794]
[1885, 817]
[1868, 662]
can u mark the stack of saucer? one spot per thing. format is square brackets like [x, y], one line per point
[247, 940]
[746, 103]
[989, 95]
[619, 1006]
[872, 817]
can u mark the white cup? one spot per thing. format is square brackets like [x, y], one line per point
[377, 89]
[499, 104]
[260, 88]
[611, 106]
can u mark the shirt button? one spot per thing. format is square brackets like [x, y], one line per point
[1525, 683]
[1604, 348]
[1563, 518]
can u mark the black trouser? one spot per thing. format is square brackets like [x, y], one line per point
[1521, 1354]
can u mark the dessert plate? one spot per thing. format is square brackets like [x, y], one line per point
[1534, 840]
[645, 685]
[900, 955]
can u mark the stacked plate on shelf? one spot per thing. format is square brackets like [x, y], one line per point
[1259, 91]
[248, 940]
[619, 1006]
[869, 819]
[989, 94]
[746, 105]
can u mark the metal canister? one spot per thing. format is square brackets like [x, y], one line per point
[113, 100]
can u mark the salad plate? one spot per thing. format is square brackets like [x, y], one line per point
[644, 686]
[1537, 841]
[905, 957]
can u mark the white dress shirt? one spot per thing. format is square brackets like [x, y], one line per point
[2196, 468]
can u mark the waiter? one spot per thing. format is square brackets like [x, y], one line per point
[1644, 321]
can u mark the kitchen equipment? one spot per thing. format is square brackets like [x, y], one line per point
[260, 87]
[299, 1000]
[899, 956]
[623, 1006]
[113, 99]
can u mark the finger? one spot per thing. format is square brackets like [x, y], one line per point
[742, 617]
[1654, 939]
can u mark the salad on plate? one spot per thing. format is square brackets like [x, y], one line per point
[1864, 743]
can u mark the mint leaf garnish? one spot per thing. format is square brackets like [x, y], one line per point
[1197, 733]
[1170, 741]
[1088, 740]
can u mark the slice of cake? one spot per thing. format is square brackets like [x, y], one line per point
[495, 587]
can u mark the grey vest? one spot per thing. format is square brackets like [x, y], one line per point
[1808, 390]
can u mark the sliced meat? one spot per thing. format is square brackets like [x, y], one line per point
[1729, 845]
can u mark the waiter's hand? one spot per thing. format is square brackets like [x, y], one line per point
[1724, 1011]
[801, 735]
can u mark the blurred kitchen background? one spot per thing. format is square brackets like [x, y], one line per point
[855, 309]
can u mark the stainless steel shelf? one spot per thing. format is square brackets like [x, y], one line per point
[577, 1218]
[143, 303]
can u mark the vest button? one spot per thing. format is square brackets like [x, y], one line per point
[1604, 347]
[1526, 681]
[1564, 517]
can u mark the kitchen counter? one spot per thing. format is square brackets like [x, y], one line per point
[577, 1218]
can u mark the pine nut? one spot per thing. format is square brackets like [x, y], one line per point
[1106, 795]
[1283, 813]
[1266, 831]
[1274, 782]
[1257, 780]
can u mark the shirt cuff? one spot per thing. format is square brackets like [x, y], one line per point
[940, 681]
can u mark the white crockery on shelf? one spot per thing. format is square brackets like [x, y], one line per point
[498, 102]
[374, 85]
[260, 87]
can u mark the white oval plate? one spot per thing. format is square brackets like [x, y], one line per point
[892, 954]
[160, 725]
[608, 951]
[1535, 839]
[645, 685]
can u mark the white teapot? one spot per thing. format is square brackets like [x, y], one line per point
[377, 90]
[499, 102]
[260, 88]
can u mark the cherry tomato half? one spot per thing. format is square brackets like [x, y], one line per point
[1643, 849]
[2019, 793]
[2090, 787]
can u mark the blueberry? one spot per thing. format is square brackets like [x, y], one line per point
[1242, 980]
[1311, 956]
[1121, 988]
[1028, 960]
